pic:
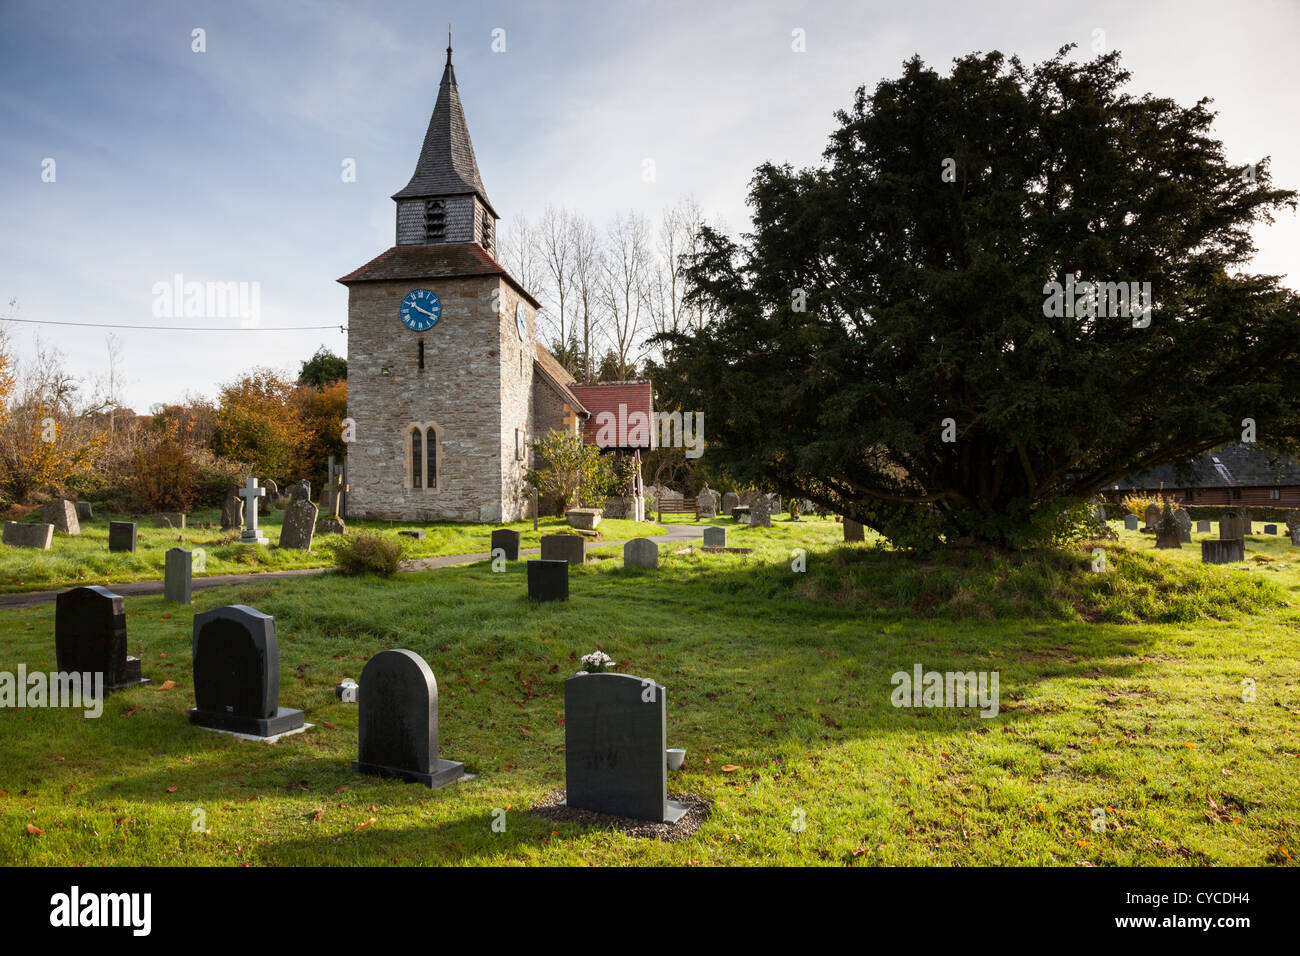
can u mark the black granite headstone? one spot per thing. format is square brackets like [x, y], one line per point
[548, 580]
[121, 536]
[508, 541]
[615, 734]
[397, 723]
[237, 673]
[90, 637]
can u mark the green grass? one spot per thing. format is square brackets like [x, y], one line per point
[85, 558]
[1120, 690]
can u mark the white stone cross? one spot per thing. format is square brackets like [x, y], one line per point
[250, 493]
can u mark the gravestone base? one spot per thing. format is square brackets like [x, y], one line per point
[253, 537]
[133, 676]
[673, 811]
[285, 721]
[445, 772]
[261, 740]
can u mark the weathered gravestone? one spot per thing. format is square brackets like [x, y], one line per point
[563, 547]
[178, 576]
[1167, 535]
[715, 537]
[853, 531]
[397, 722]
[729, 501]
[1131, 522]
[548, 580]
[169, 519]
[1203, 527]
[741, 514]
[615, 735]
[232, 509]
[237, 674]
[84, 511]
[1152, 518]
[299, 525]
[1230, 527]
[121, 536]
[640, 553]
[90, 637]
[1270, 529]
[334, 491]
[251, 493]
[28, 535]
[1223, 550]
[63, 515]
[1183, 521]
[272, 495]
[507, 540]
[300, 490]
[706, 503]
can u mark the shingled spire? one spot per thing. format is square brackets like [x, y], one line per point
[445, 200]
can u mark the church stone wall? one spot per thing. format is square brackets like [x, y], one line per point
[460, 390]
[516, 403]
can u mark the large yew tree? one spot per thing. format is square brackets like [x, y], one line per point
[875, 299]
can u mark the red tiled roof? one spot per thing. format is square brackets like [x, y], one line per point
[446, 260]
[618, 400]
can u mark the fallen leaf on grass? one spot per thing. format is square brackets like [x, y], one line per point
[34, 830]
[728, 768]
[326, 724]
[1190, 746]
[172, 788]
[1082, 843]
[366, 824]
[317, 815]
[167, 685]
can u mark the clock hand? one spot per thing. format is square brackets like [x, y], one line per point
[418, 309]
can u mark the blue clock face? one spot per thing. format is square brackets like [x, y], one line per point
[420, 310]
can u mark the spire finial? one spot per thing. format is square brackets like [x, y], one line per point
[449, 44]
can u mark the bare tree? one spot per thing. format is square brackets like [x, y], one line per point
[555, 242]
[624, 286]
[588, 270]
[519, 254]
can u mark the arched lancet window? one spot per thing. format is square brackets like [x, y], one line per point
[423, 452]
[417, 457]
[431, 459]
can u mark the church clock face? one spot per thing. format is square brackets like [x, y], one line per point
[521, 320]
[420, 310]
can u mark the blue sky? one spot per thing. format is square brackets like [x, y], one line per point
[225, 166]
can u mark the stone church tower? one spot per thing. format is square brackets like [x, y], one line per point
[447, 381]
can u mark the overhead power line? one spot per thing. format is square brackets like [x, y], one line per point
[182, 328]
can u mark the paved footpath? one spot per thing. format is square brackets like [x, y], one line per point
[676, 534]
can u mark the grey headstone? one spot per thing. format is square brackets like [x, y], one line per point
[1203, 527]
[121, 536]
[251, 493]
[563, 547]
[397, 721]
[1270, 529]
[332, 525]
[1131, 522]
[729, 501]
[1230, 527]
[28, 535]
[640, 553]
[615, 735]
[169, 519]
[1152, 516]
[232, 509]
[853, 531]
[715, 537]
[237, 673]
[741, 514]
[548, 580]
[507, 540]
[705, 506]
[1223, 550]
[760, 513]
[1167, 535]
[178, 576]
[84, 511]
[300, 490]
[1183, 521]
[63, 515]
[1295, 534]
[299, 525]
[90, 637]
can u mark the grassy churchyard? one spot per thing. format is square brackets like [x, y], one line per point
[1120, 701]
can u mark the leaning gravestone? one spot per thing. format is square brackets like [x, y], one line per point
[853, 531]
[178, 576]
[90, 637]
[563, 547]
[507, 540]
[1167, 535]
[729, 501]
[28, 535]
[397, 722]
[760, 512]
[169, 519]
[299, 524]
[548, 580]
[63, 515]
[1223, 550]
[121, 536]
[1230, 527]
[715, 537]
[84, 511]
[1202, 527]
[1131, 522]
[1184, 523]
[232, 509]
[640, 553]
[615, 735]
[237, 674]
[1152, 518]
